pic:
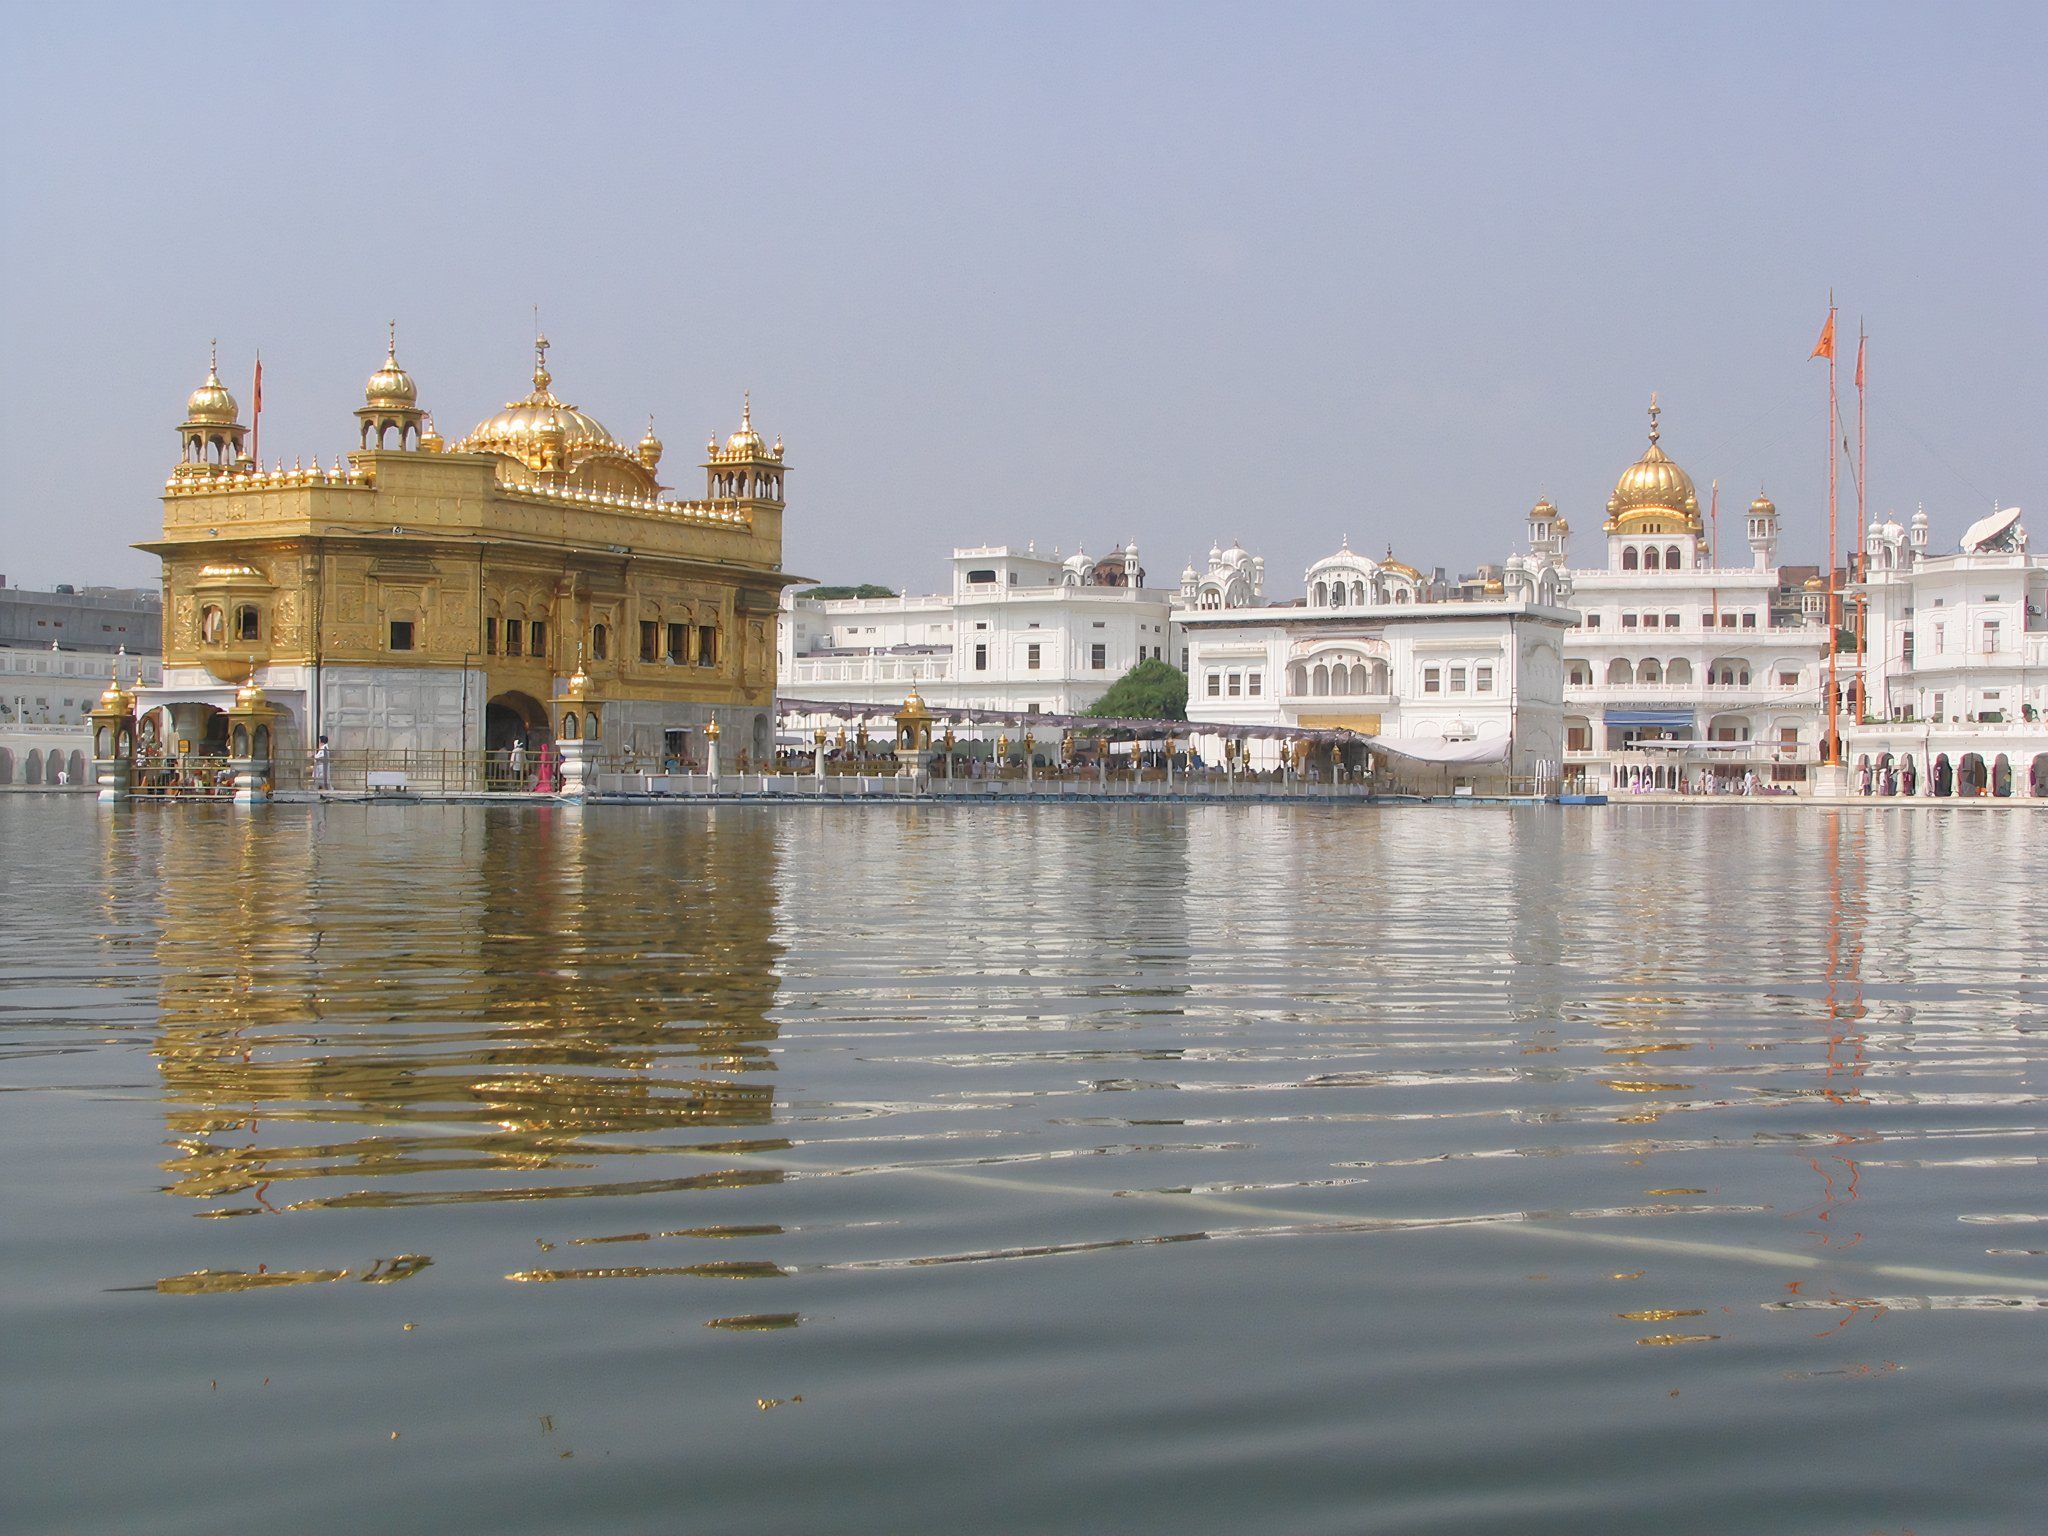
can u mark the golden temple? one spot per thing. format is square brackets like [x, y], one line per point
[427, 597]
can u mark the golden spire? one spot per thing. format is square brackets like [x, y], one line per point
[541, 377]
[1655, 411]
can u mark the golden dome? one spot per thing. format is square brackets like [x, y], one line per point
[746, 440]
[1652, 486]
[1763, 506]
[117, 699]
[650, 446]
[211, 404]
[391, 386]
[1814, 584]
[430, 440]
[1543, 509]
[517, 430]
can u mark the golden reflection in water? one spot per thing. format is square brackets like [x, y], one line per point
[360, 1009]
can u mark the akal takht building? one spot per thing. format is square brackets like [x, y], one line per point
[430, 597]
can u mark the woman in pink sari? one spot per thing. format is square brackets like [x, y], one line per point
[547, 778]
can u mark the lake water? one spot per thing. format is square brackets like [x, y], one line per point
[1052, 1168]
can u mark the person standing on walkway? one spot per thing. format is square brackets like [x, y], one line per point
[321, 765]
[517, 762]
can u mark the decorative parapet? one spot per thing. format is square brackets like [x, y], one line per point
[255, 478]
[720, 514]
[723, 514]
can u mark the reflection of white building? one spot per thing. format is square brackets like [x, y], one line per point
[1473, 685]
[1017, 631]
[1676, 668]
[1957, 658]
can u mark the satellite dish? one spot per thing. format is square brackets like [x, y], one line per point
[1991, 533]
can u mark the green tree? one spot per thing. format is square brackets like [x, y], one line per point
[1151, 690]
[830, 594]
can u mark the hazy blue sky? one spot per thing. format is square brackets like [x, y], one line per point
[1173, 272]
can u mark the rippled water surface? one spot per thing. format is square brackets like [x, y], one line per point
[1315, 1169]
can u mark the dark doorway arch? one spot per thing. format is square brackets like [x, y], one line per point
[1970, 775]
[2037, 776]
[514, 717]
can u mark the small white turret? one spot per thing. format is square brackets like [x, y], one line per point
[1763, 532]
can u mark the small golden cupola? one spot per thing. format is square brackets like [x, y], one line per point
[650, 448]
[745, 469]
[1654, 495]
[391, 404]
[212, 434]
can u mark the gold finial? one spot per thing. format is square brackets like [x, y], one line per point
[391, 348]
[746, 410]
[1655, 410]
[541, 377]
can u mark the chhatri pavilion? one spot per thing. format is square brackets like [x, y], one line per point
[432, 597]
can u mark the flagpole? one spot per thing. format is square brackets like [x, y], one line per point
[1862, 541]
[1714, 549]
[256, 414]
[1832, 754]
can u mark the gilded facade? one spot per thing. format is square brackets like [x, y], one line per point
[427, 596]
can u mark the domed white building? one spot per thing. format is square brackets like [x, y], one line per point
[1957, 662]
[1681, 666]
[1351, 580]
[1235, 578]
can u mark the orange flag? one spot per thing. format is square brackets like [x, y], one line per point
[1825, 347]
[1859, 361]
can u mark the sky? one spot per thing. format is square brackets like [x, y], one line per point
[1184, 273]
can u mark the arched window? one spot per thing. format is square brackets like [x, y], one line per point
[1322, 599]
[1319, 683]
[600, 642]
[1680, 671]
[1358, 593]
[213, 625]
[1619, 671]
[1650, 560]
[1629, 559]
[1650, 671]
[247, 625]
[1671, 561]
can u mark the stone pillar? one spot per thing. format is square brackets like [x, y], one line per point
[113, 741]
[913, 736]
[251, 734]
[1830, 781]
[576, 714]
[818, 760]
[711, 753]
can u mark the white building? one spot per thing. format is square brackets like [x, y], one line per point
[1956, 662]
[1474, 686]
[1677, 670]
[1018, 631]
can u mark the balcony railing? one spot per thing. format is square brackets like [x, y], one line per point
[869, 669]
